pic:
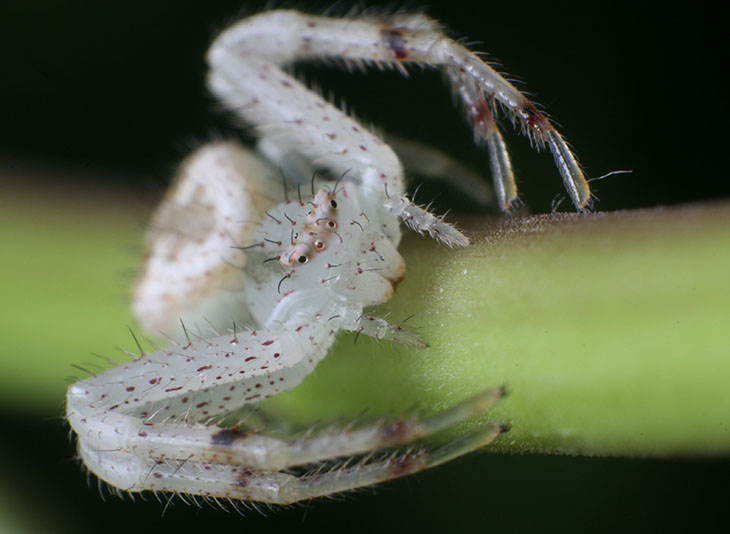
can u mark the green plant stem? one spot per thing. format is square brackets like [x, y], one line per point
[611, 332]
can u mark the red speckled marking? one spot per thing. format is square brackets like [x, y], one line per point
[482, 113]
[532, 116]
[405, 465]
[394, 41]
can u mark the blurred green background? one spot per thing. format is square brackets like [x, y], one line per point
[99, 102]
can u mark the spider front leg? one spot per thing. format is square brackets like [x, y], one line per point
[244, 465]
[152, 408]
[245, 74]
[289, 118]
[355, 473]
[288, 115]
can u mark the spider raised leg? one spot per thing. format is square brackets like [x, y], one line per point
[246, 74]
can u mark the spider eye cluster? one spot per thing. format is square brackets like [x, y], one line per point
[320, 224]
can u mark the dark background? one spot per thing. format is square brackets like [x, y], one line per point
[120, 86]
[118, 89]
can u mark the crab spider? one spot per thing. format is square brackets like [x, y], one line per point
[312, 268]
[225, 250]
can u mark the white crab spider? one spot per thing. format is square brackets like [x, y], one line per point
[224, 250]
[141, 426]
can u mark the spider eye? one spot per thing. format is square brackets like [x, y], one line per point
[319, 245]
[331, 224]
[333, 203]
[299, 253]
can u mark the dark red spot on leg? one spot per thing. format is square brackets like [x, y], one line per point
[243, 477]
[406, 464]
[395, 432]
[482, 114]
[227, 436]
[394, 41]
[532, 116]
